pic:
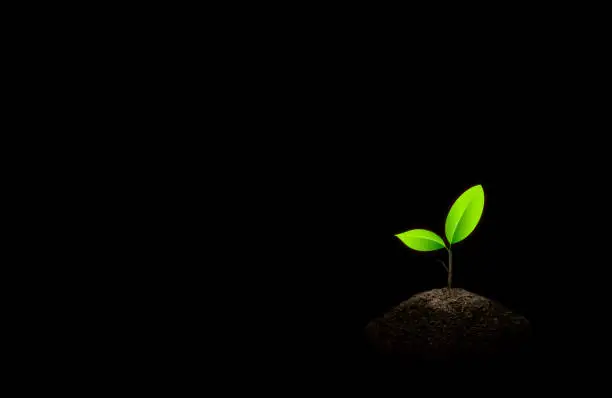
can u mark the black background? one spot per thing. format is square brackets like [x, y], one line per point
[316, 169]
[311, 255]
[253, 185]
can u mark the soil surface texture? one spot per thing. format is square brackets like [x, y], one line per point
[439, 326]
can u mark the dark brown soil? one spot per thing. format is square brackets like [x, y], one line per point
[439, 325]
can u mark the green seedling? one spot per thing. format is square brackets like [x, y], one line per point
[462, 219]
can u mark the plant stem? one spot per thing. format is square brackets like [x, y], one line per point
[444, 265]
[450, 269]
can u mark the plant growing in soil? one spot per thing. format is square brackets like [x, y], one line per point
[461, 221]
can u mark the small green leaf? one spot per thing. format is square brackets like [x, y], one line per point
[421, 240]
[464, 215]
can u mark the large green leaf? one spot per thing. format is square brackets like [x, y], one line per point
[464, 215]
[421, 240]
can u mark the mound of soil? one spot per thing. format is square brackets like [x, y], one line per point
[439, 325]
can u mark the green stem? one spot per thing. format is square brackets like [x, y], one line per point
[450, 269]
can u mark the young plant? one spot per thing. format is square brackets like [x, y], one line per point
[462, 219]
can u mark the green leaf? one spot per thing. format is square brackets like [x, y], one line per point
[421, 240]
[464, 215]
